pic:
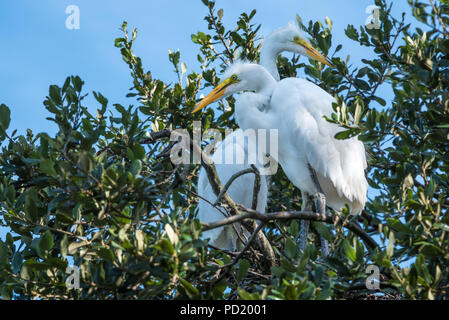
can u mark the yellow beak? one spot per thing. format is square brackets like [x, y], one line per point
[313, 53]
[214, 95]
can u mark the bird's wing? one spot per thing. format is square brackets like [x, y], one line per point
[342, 161]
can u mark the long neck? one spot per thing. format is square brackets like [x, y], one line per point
[268, 58]
[251, 107]
[266, 83]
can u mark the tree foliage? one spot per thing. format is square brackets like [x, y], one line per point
[103, 195]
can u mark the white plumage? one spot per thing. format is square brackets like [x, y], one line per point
[307, 138]
[280, 40]
[296, 108]
[241, 190]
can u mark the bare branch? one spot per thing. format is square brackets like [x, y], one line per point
[230, 181]
[240, 255]
[288, 215]
[256, 189]
[217, 187]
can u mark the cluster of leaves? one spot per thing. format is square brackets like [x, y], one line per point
[91, 196]
[103, 195]
[409, 143]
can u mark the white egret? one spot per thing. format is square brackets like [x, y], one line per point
[306, 140]
[241, 190]
[287, 38]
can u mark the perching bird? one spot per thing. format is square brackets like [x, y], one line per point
[297, 107]
[286, 38]
[241, 190]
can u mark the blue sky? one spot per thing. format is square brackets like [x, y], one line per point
[38, 50]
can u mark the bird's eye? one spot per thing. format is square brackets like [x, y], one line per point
[234, 77]
[296, 38]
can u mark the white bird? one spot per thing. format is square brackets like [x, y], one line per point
[241, 190]
[297, 107]
[286, 38]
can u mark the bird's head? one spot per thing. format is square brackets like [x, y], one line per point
[290, 38]
[240, 76]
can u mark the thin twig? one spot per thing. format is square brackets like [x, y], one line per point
[228, 266]
[229, 183]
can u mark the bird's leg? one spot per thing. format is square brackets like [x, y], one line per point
[306, 206]
[321, 208]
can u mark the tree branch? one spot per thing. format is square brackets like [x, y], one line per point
[217, 187]
[241, 253]
[236, 216]
[288, 215]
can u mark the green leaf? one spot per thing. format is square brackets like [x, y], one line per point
[136, 166]
[31, 161]
[16, 262]
[138, 151]
[31, 200]
[183, 68]
[238, 39]
[118, 42]
[349, 250]
[100, 98]
[398, 225]
[361, 84]
[77, 83]
[141, 239]
[106, 254]
[3, 254]
[291, 248]
[244, 294]
[171, 234]
[166, 246]
[220, 14]
[429, 249]
[391, 241]
[380, 101]
[360, 251]
[352, 33]
[442, 226]
[358, 110]
[55, 94]
[64, 246]
[294, 228]
[5, 117]
[46, 243]
[243, 269]
[191, 291]
[47, 166]
[322, 230]
[85, 161]
[291, 293]
[422, 269]
[343, 135]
